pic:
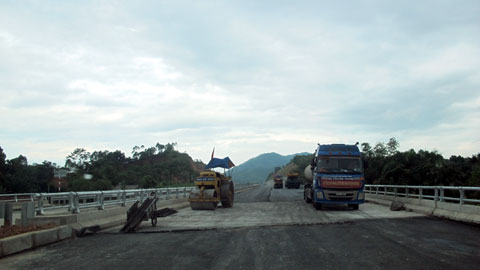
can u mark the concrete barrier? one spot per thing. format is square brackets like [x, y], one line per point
[64, 232]
[21, 242]
[17, 243]
[454, 211]
[44, 237]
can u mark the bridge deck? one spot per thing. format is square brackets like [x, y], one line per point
[261, 214]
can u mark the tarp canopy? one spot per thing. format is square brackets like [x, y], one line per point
[220, 162]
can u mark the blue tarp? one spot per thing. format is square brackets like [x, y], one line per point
[220, 162]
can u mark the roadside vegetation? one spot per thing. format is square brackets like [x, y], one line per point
[157, 166]
[163, 166]
[388, 166]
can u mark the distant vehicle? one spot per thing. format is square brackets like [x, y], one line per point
[278, 181]
[292, 180]
[336, 176]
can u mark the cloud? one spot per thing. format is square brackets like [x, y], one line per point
[246, 77]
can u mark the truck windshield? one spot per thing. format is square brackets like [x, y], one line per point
[339, 164]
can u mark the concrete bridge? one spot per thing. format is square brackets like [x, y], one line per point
[267, 228]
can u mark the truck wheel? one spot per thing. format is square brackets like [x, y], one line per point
[317, 206]
[305, 197]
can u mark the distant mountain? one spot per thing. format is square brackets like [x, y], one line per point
[257, 169]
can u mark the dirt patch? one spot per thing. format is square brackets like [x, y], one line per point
[7, 231]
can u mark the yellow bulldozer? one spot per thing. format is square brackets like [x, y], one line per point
[212, 187]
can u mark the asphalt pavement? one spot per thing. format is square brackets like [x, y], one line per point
[369, 238]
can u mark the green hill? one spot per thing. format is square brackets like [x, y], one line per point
[257, 169]
[296, 164]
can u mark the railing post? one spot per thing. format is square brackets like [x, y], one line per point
[168, 194]
[8, 214]
[40, 205]
[385, 188]
[395, 192]
[101, 201]
[184, 192]
[406, 192]
[28, 212]
[142, 196]
[124, 198]
[76, 203]
[97, 201]
[420, 193]
[176, 193]
[442, 195]
[71, 202]
[462, 195]
[376, 190]
[436, 194]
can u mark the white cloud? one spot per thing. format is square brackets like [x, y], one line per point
[246, 77]
[459, 58]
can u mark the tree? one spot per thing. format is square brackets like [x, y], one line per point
[18, 176]
[366, 150]
[392, 146]
[148, 182]
[170, 147]
[2, 170]
[2, 160]
[160, 147]
[78, 159]
[380, 150]
[136, 150]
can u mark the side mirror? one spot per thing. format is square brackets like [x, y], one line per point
[312, 163]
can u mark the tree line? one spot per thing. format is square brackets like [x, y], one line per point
[156, 166]
[162, 165]
[388, 166]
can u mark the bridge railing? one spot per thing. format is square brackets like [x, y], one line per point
[75, 201]
[437, 193]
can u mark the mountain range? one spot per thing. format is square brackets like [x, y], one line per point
[257, 169]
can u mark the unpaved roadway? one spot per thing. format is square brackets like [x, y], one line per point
[271, 229]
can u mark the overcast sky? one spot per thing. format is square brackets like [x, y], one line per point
[245, 77]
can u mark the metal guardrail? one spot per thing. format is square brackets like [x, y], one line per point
[75, 201]
[436, 193]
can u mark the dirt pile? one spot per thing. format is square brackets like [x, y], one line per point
[7, 231]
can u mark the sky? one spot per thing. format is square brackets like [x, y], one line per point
[245, 77]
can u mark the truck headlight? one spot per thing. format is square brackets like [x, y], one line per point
[361, 196]
[320, 195]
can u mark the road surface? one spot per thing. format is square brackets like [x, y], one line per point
[254, 235]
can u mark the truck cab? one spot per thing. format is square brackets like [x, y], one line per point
[292, 180]
[337, 177]
[278, 181]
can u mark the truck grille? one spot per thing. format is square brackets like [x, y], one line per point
[341, 195]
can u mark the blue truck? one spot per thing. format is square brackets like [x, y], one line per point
[335, 176]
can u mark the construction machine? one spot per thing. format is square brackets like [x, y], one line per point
[212, 187]
[336, 176]
[292, 180]
[277, 181]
